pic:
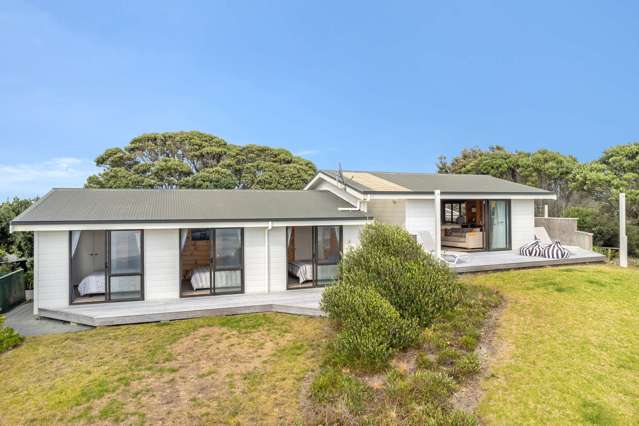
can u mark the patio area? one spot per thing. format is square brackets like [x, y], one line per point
[300, 302]
[501, 260]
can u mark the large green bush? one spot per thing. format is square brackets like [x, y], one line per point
[8, 337]
[370, 329]
[395, 265]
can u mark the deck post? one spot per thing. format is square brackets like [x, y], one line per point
[623, 238]
[438, 223]
[545, 210]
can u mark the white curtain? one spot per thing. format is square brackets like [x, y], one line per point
[499, 229]
[290, 235]
[183, 235]
[138, 237]
[75, 240]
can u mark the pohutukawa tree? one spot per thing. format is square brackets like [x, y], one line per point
[198, 160]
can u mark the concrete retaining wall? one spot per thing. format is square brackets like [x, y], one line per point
[565, 230]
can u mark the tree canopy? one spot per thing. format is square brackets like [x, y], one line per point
[617, 170]
[545, 169]
[588, 191]
[198, 160]
[18, 243]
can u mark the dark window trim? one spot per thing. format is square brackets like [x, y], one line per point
[488, 226]
[315, 262]
[107, 269]
[212, 266]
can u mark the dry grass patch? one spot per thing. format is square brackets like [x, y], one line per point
[235, 370]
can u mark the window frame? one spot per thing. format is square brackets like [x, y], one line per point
[212, 263]
[314, 243]
[107, 268]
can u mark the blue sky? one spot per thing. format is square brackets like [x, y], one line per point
[373, 85]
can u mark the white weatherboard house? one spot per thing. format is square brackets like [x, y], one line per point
[111, 256]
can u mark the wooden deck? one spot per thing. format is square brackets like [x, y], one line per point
[501, 260]
[301, 302]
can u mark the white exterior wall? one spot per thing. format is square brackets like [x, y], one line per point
[254, 260]
[350, 234]
[277, 258]
[523, 222]
[161, 264]
[420, 217]
[388, 211]
[51, 264]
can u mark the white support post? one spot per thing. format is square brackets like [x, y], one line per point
[623, 238]
[438, 223]
[545, 210]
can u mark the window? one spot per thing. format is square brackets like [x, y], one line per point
[211, 261]
[313, 253]
[106, 266]
[329, 249]
[454, 212]
[125, 270]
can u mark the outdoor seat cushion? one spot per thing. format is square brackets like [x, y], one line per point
[532, 248]
[555, 251]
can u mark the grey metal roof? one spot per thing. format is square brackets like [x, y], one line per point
[182, 205]
[429, 182]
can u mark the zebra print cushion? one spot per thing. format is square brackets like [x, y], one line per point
[555, 251]
[532, 248]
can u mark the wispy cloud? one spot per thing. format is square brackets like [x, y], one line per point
[307, 152]
[31, 179]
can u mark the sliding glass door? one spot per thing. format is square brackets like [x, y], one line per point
[106, 266]
[498, 212]
[125, 265]
[313, 254]
[328, 248]
[211, 261]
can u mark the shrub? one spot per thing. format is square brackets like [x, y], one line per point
[371, 330]
[469, 342]
[421, 387]
[331, 386]
[466, 366]
[424, 361]
[390, 261]
[448, 356]
[8, 337]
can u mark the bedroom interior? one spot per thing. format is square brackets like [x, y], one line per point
[211, 261]
[105, 266]
[312, 251]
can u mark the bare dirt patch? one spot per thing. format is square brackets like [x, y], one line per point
[205, 377]
[468, 396]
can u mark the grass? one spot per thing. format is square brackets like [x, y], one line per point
[566, 352]
[233, 370]
[417, 386]
[568, 347]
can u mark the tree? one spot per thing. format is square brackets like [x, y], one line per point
[545, 169]
[617, 170]
[198, 160]
[18, 243]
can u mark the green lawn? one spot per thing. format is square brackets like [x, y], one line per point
[568, 345]
[567, 352]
